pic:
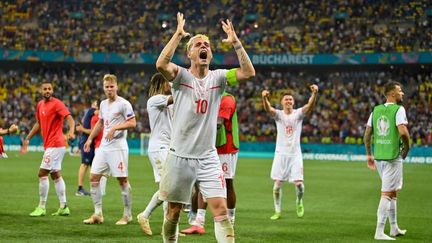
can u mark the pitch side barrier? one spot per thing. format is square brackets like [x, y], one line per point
[320, 152]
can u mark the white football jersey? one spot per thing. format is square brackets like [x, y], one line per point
[112, 114]
[196, 106]
[160, 117]
[289, 129]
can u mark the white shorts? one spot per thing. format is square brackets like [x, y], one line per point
[52, 159]
[287, 168]
[179, 176]
[157, 158]
[390, 173]
[228, 164]
[112, 162]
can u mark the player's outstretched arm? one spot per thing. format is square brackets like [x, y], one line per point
[12, 129]
[246, 70]
[308, 108]
[367, 138]
[266, 103]
[163, 64]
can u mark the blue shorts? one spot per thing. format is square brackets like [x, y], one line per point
[87, 158]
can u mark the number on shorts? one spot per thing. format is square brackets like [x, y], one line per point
[47, 159]
[221, 177]
[120, 166]
[225, 167]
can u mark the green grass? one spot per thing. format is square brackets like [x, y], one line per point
[341, 200]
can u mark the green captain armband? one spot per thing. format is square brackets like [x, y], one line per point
[232, 77]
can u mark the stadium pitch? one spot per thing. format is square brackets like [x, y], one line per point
[340, 201]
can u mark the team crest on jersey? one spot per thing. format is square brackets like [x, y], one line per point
[383, 126]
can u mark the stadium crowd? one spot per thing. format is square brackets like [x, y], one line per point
[302, 26]
[344, 104]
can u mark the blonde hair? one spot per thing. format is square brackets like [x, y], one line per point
[189, 43]
[157, 82]
[110, 78]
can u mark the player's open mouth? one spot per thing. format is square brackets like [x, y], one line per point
[203, 54]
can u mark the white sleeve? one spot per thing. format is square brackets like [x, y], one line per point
[369, 122]
[158, 101]
[300, 113]
[277, 115]
[101, 110]
[221, 79]
[401, 117]
[128, 110]
[179, 78]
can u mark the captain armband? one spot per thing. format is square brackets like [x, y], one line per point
[232, 77]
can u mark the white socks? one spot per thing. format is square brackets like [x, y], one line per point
[224, 231]
[60, 187]
[200, 218]
[394, 228]
[382, 214]
[43, 191]
[231, 214]
[153, 204]
[96, 197]
[169, 231]
[127, 199]
[277, 197]
[102, 183]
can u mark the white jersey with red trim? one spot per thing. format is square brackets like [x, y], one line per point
[289, 127]
[196, 106]
[160, 117]
[114, 113]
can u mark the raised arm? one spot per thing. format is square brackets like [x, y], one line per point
[163, 64]
[266, 103]
[405, 137]
[308, 108]
[246, 70]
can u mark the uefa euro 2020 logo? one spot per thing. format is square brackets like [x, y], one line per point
[383, 126]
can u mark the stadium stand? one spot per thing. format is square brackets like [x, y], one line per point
[301, 26]
[345, 101]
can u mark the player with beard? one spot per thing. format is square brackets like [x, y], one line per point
[50, 113]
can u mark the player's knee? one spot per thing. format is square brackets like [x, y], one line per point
[123, 181]
[277, 186]
[173, 211]
[391, 194]
[94, 178]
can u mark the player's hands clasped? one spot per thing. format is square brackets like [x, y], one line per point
[228, 28]
[180, 25]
